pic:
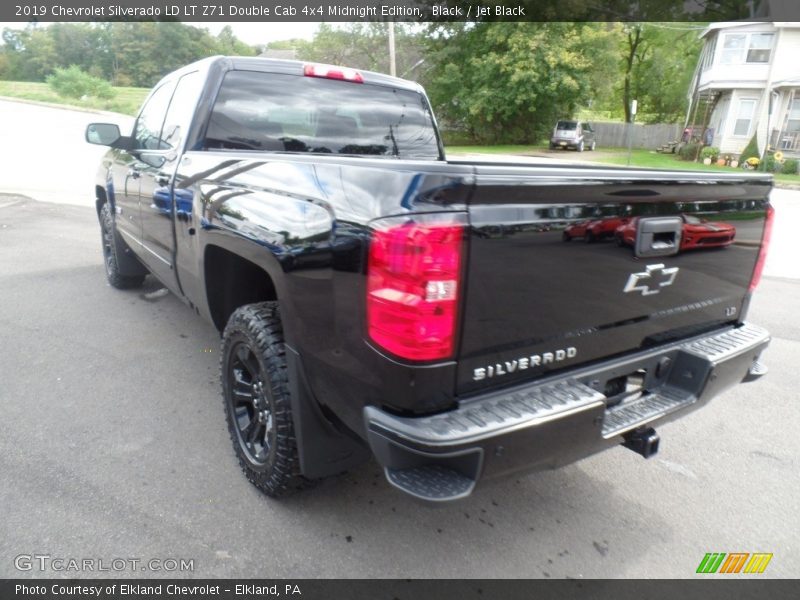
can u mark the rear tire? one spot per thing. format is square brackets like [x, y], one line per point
[589, 238]
[255, 392]
[593, 146]
[112, 246]
[565, 237]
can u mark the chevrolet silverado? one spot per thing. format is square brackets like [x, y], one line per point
[376, 299]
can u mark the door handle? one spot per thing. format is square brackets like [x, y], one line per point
[182, 215]
[133, 173]
[162, 180]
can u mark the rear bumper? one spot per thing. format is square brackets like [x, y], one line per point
[565, 142]
[560, 419]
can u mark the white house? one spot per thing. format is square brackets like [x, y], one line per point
[748, 81]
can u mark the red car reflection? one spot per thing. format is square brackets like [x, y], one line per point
[593, 230]
[696, 233]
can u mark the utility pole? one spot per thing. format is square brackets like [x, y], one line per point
[392, 64]
[630, 129]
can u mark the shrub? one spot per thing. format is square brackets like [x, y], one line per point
[689, 151]
[72, 82]
[771, 165]
[711, 152]
[751, 150]
[790, 166]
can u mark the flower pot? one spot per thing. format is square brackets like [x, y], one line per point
[734, 163]
[706, 161]
[721, 162]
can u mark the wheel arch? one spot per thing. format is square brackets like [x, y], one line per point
[100, 198]
[103, 191]
[233, 280]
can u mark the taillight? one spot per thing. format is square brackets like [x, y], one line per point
[331, 72]
[762, 253]
[413, 284]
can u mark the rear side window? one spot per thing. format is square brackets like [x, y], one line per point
[290, 113]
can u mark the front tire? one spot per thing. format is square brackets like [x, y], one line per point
[579, 148]
[255, 391]
[112, 247]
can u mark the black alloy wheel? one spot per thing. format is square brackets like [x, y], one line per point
[112, 246]
[255, 391]
[251, 407]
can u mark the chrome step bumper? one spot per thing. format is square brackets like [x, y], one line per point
[558, 420]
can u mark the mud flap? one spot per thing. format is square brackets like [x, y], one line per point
[323, 450]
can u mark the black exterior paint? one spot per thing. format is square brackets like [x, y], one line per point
[305, 221]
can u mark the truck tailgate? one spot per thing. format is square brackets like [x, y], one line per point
[553, 279]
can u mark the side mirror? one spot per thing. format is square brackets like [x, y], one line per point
[102, 134]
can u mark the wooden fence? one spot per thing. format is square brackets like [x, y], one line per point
[644, 136]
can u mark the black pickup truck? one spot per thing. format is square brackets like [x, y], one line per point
[375, 299]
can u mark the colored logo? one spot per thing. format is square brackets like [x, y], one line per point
[734, 562]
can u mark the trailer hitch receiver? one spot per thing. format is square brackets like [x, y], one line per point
[643, 441]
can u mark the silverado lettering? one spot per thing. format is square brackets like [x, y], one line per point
[376, 300]
[526, 362]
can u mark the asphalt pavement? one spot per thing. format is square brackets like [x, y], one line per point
[113, 442]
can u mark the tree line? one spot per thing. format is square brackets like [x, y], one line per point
[124, 54]
[488, 82]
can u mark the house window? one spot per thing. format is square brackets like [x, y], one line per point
[708, 54]
[759, 49]
[744, 117]
[733, 49]
[793, 121]
[741, 48]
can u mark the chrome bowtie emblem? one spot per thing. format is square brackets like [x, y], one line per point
[656, 276]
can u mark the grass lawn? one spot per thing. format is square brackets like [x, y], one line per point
[656, 160]
[610, 156]
[126, 100]
[509, 149]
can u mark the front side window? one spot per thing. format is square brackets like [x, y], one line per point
[744, 117]
[290, 113]
[147, 133]
[181, 109]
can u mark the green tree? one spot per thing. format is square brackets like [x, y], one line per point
[72, 82]
[229, 44]
[657, 62]
[124, 53]
[509, 82]
[362, 46]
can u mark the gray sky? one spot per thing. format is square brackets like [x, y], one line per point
[263, 33]
[250, 33]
